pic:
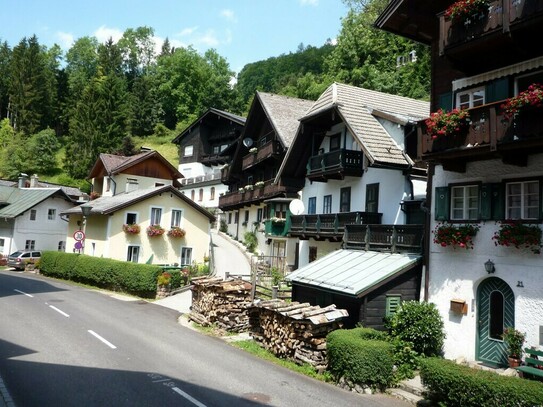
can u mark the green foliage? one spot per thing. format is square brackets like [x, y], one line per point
[361, 361]
[451, 384]
[250, 240]
[224, 226]
[419, 324]
[132, 278]
[276, 276]
[405, 359]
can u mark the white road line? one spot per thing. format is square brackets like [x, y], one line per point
[188, 397]
[59, 311]
[102, 339]
[22, 292]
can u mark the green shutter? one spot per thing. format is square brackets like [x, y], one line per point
[392, 304]
[445, 101]
[485, 212]
[442, 203]
[497, 90]
[498, 201]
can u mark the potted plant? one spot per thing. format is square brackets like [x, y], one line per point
[518, 235]
[464, 10]
[253, 150]
[446, 124]
[131, 229]
[530, 98]
[155, 230]
[259, 184]
[177, 232]
[514, 340]
[451, 235]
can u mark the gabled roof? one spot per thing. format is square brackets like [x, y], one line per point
[227, 115]
[354, 272]
[70, 191]
[16, 201]
[106, 205]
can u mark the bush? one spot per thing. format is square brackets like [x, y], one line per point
[361, 361]
[451, 384]
[223, 227]
[419, 324]
[250, 241]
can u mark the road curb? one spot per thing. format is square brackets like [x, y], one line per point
[5, 398]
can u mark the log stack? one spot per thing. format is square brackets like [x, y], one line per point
[295, 331]
[224, 303]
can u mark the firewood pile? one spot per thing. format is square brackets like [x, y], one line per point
[296, 331]
[221, 302]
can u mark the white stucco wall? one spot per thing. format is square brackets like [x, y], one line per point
[458, 273]
[206, 201]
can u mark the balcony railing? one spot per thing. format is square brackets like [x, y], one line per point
[214, 159]
[276, 228]
[489, 134]
[215, 175]
[329, 225]
[335, 165]
[233, 200]
[387, 238]
[271, 148]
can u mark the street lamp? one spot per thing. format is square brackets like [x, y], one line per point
[86, 210]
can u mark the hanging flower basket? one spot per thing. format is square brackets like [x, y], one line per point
[447, 124]
[519, 236]
[464, 10]
[457, 236]
[131, 229]
[530, 98]
[176, 232]
[155, 230]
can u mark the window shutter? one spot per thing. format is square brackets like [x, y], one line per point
[442, 203]
[445, 101]
[497, 90]
[392, 304]
[485, 212]
[498, 201]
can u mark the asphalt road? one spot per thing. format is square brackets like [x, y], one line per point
[63, 345]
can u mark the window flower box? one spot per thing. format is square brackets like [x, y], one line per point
[241, 190]
[446, 124]
[277, 220]
[529, 99]
[463, 11]
[253, 150]
[456, 236]
[259, 184]
[132, 229]
[176, 232]
[155, 230]
[248, 187]
[519, 236]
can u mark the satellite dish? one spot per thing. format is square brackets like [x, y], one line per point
[296, 207]
[247, 142]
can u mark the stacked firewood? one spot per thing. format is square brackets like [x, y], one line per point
[296, 331]
[223, 303]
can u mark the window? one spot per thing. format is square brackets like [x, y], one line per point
[216, 150]
[230, 218]
[133, 254]
[156, 215]
[131, 218]
[51, 214]
[201, 195]
[392, 304]
[236, 218]
[108, 184]
[335, 142]
[312, 205]
[177, 215]
[327, 204]
[62, 246]
[212, 193]
[32, 214]
[372, 198]
[465, 202]
[312, 253]
[345, 199]
[192, 194]
[2, 243]
[280, 210]
[470, 98]
[186, 256]
[30, 245]
[188, 151]
[522, 200]
[246, 217]
[259, 212]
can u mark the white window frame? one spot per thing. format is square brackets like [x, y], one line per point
[177, 217]
[460, 204]
[127, 213]
[183, 259]
[524, 205]
[51, 214]
[188, 151]
[474, 99]
[155, 216]
[130, 253]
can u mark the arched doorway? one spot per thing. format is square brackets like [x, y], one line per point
[495, 312]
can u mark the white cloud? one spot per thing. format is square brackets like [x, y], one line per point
[188, 31]
[66, 39]
[229, 15]
[309, 2]
[104, 33]
[209, 38]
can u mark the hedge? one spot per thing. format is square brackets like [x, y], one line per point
[458, 385]
[132, 278]
[366, 362]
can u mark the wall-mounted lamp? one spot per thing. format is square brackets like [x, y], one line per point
[489, 266]
[520, 284]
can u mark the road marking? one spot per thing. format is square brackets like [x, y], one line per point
[102, 339]
[58, 310]
[22, 292]
[188, 397]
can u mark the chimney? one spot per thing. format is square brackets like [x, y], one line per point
[34, 181]
[22, 180]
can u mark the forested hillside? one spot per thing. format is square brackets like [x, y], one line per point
[59, 110]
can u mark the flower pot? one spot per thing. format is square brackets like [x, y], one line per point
[513, 362]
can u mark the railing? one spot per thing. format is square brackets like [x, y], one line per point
[389, 238]
[202, 178]
[338, 161]
[215, 159]
[267, 150]
[329, 224]
[502, 15]
[276, 228]
[233, 199]
[489, 131]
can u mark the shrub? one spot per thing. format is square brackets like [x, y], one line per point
[361, 361]
[223, 227]
[419, 324]
[250, 241]
[450, 384]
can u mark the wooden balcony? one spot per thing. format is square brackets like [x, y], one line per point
[329, 226]
[275, 228]
[215, 159]
[226, 175]
[385, 238]
[489, 136]
[270, 149]
[335, 165]
[237, 199]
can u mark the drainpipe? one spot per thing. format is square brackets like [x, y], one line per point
[428, 212]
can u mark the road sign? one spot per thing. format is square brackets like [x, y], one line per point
[79, 235]
[78, 245]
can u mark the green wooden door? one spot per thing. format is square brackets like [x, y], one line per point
[496, 311]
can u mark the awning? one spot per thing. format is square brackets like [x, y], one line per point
[354, 272]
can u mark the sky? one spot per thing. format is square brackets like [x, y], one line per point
[242, 31]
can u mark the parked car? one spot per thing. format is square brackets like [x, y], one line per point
[19, 259]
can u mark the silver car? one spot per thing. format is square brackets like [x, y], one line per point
[19, 259]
